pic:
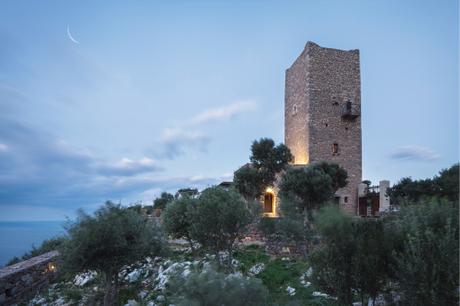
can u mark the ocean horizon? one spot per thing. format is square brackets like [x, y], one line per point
[18, 237]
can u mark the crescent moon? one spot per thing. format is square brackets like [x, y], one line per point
[71, 37]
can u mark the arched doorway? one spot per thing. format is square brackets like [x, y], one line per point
[269, 203]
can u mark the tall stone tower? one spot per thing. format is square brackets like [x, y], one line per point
[322, 113]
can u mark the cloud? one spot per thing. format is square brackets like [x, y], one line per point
[413, 152]
[3, 147]
[129, 167]
[177, 140]
[224, 113]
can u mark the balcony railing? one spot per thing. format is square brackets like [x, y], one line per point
[351, 111]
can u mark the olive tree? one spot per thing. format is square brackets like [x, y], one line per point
[106, 241]
[177, 218]
[163, 200]
[313, 185]
[219, 220]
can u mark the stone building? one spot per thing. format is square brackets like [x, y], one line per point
[322, 113]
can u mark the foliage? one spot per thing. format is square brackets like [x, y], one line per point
[427, 267]
[163, 200]
[188, 192]
[250, 256]
[248, 181]
[110, 239]
[266, 161]
[445, 184]
[219, 219]
[355, 255]
[47, 245]
[313, 185]
[209, 288]
[177, 218]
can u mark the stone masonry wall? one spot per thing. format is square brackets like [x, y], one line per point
[321, 81]
[21, 280]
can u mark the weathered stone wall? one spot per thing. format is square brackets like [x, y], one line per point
[318, 85]
[20, 281]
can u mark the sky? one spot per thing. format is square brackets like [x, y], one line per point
[122, 100]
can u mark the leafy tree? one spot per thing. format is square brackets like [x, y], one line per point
[444, 185]
[248, 181]
[107, 241]
[186, 192]
[219, 219]
[163, 200]
[266, 161]
[177, 218]
[447, 183]
[427, 268]
[210, 288]
[313, 185]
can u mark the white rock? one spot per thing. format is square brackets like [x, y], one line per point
[142, 294]
[84, 278]
[133, 276]
[290, 290]
[320, 294]
[132, 303]
[256, 269]
[160, 298]
[309, 272]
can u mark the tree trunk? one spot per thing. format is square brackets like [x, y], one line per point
[111, 289]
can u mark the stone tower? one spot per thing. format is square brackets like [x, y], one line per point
[322, 113]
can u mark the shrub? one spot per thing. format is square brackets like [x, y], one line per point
[210, 288]
[427, 267]
[355, 255]
[110, 239]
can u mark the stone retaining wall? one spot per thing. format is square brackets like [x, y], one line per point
[21, 280]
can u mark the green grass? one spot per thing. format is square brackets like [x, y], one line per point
[251, 255]
[279, 274]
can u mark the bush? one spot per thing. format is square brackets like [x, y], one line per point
[355, 255]
[210, 288]
[427, 267]
[107, 241]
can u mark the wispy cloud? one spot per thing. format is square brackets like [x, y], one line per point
[224, 112]
[414, 152]
[129, 167]
[175, 141]
[3, 147]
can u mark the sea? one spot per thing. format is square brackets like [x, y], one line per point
[18, 237]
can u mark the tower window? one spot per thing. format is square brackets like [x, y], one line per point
[345, 199]
[335, 148]
[294, 109]
[326, 124]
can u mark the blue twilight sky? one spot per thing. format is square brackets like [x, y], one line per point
[121, 100]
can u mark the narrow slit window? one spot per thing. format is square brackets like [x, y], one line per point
[335, 148]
